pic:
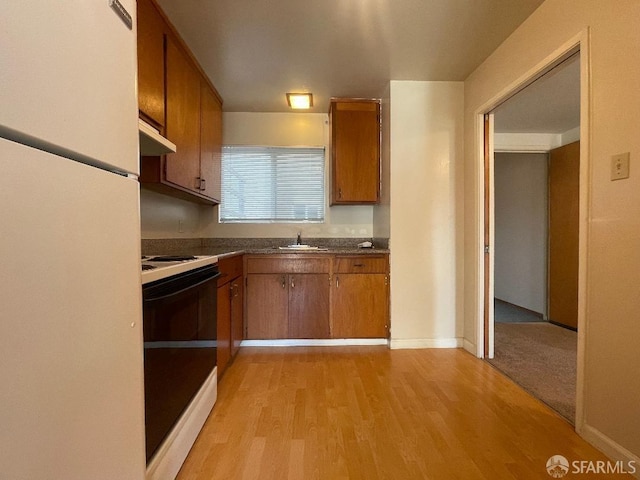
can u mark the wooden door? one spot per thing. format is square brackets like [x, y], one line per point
[267, 306]
[150, 62]
[360, 306]
[237, 318]
[355, 160]
[564, 193]
[183, 118]
[488, 325]
[309, 305]
[210, 142]
[224, 327]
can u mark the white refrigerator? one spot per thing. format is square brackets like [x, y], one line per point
[71, 361]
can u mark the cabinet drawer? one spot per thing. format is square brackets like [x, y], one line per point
[360, 264]
[288, 264]
[230, 268]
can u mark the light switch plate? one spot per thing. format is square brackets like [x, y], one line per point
[620, 166]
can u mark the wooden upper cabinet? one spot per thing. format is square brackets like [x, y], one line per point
[210, 142]
[183, 118]
[150, 63]
[176, 97]
[355, 151]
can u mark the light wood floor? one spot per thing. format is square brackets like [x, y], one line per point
[372, 413]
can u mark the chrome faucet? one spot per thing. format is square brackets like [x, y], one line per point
[299, 240]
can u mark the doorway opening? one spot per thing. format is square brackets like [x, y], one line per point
[523, 270]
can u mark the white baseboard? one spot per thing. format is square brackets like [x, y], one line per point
[609, 447]
[172, 453]
[399, 343]
[309, 342]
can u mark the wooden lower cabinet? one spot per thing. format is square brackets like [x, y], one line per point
[237, 314]
[229, 311]
[309, 305]
[267, 306]
[322, 296]
[223, 344]
[287, 306]
[360, 305]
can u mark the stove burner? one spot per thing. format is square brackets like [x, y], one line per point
[171, 258]
[147, 267]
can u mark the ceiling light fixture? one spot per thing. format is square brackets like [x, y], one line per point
[300, 100]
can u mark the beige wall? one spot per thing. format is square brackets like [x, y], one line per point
[612, 309]
[425, 213]
[381, 212]
[520, 186]
[163, 215]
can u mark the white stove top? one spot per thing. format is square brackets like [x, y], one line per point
[153, 269]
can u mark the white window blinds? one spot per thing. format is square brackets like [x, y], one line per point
[272, 184]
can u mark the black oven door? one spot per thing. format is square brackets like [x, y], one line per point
[179, 316]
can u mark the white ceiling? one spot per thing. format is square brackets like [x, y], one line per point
[549, 105]
[256, 51]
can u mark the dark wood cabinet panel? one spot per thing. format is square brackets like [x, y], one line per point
[309, 306]
[267, 306]
[230, 310]
[237, 315]
[151, 28]
[360, 306]
[361, 264]
[289, 263]
[210, 143]
[355, 151]
[224, 327]
[183, 118]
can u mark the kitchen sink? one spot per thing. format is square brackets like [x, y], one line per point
[301, 247]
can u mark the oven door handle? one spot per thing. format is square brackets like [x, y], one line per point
[188, 287]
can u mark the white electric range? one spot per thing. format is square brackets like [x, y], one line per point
[157, 267]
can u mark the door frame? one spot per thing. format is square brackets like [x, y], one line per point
[485, 314]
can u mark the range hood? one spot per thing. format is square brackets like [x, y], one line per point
[151, 142]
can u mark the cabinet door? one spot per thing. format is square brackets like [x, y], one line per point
[237, 318]
[267, 306]
[355, 172]
[224, 327]
[150, 62]
[360, 306]
[183, 118]
[210, 142]
[309, 306]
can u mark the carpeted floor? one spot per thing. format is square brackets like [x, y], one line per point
[541, 358]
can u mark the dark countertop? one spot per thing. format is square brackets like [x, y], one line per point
[221, 252]
[221, 248]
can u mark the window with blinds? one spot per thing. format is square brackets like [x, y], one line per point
[272, 184]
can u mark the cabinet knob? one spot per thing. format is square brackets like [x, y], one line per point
[339, 193]
[284, 281]
[203, 184]
[337, 282]
[293, 283]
